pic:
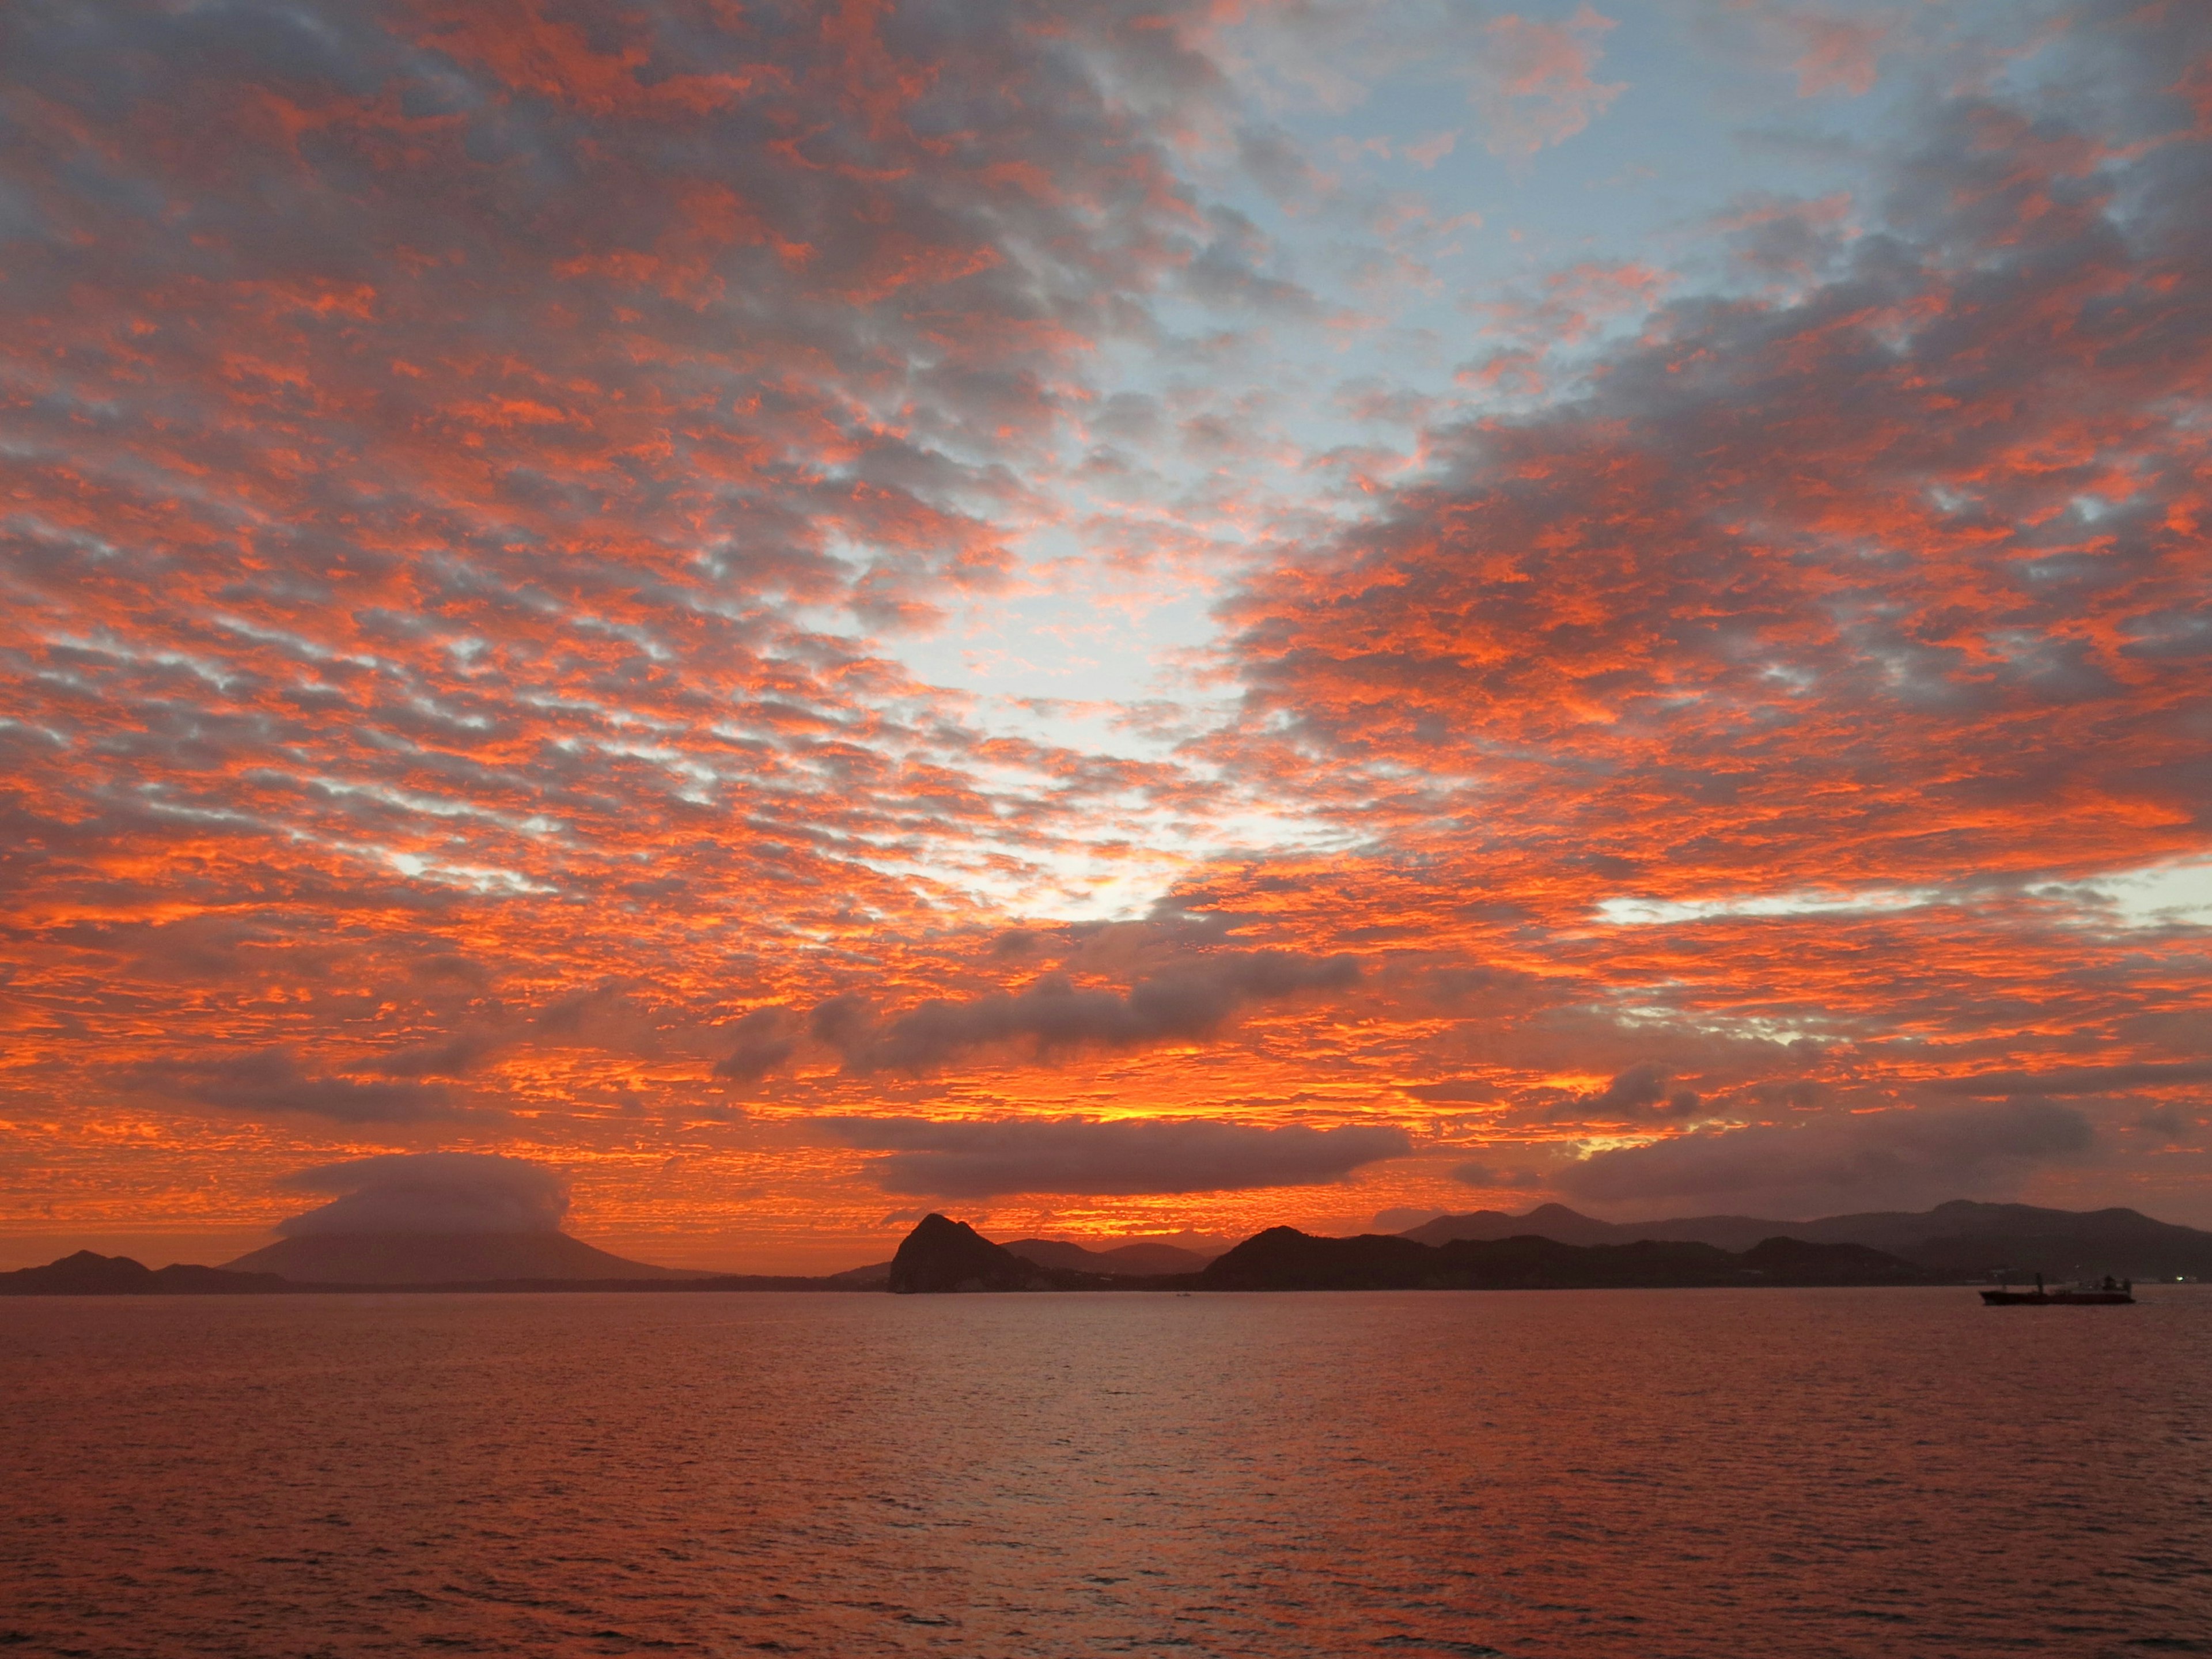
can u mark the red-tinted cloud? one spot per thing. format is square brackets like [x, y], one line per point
[445, 442]
[1888, 593]
[466, 463]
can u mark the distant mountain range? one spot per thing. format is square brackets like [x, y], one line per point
[1123, 1259]
[88, 1275]
[1551, 1245]
[1959, 1240]
[1285, 1259]
[941, 1255]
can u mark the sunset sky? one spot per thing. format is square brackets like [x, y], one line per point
[1115, 618]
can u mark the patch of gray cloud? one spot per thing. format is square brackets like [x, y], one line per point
[599, 1016]
[1227, 272]
[1902, 1159]
[210, 949]
[431, 1193]
[1119, 1157]
[2165, 1124]
[764, 1041]
[1640, 1092]
[2075, 1080]
[450, 1057]
[271, 1083]
[1458, 1090]
[1192, 999]
[1125, 948]
[1490, 1176]
[452, 967]
[842, 1022]
[602, 1017]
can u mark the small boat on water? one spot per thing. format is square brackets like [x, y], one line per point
[2111, 1292]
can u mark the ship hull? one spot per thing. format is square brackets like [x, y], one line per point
[2051, 1298]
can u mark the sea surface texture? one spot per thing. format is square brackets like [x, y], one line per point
[1545, 1476]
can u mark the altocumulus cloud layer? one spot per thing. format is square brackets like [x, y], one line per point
[1191, 1001]
[270, 1082]
[1104, 605]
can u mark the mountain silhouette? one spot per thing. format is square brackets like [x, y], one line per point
[1285, 1259]
[1127, 1260]
[1962, 1239]
[1484, 1250]
[1561, 1225]
[87, 1273]
[941, 1255]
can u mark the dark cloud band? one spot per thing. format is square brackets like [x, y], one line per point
[1900, 1159]
[1126, 1156]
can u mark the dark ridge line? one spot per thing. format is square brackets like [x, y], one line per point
[1958, 1242]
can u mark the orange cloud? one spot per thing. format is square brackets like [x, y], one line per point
[464, 463]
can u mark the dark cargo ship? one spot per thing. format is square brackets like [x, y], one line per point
[2112, 1291]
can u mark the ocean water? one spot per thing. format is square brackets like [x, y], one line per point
[1637, 1474]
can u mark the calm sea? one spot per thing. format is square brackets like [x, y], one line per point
[1756, 1475]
